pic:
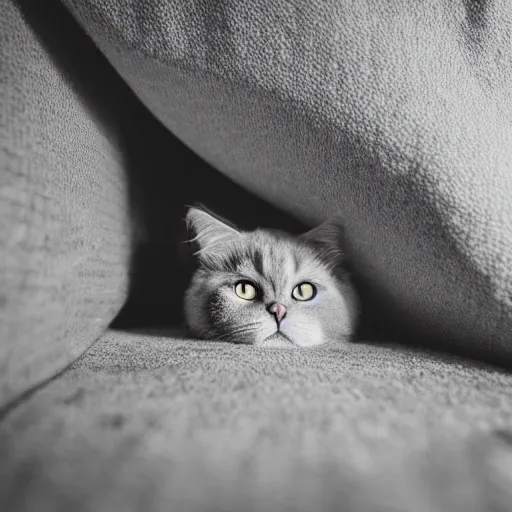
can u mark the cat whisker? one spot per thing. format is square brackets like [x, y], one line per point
[229, 335]
[241, 330]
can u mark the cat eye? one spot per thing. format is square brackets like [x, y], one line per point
[245, 290]
[304, 291]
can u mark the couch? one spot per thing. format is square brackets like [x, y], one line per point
[115, 116]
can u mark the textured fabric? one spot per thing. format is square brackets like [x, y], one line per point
[64, 230]
[395, 115]
[148, 423]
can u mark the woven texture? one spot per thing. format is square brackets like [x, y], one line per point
[396, 116]
[64, 230]
[153, 423]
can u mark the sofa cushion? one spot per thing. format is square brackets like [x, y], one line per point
[151, 423]
[395, 115]
[64, 223]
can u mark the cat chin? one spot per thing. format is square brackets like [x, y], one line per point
[276, 340]
[280, 340]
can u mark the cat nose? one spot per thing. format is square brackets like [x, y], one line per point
[278, 310]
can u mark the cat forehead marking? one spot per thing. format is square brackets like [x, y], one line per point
[276, 261]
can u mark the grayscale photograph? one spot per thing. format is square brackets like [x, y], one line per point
[255, 255]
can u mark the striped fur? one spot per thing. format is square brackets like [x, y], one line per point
[275, 262]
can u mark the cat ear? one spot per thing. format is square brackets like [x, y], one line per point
[328, 239]
[211, 233]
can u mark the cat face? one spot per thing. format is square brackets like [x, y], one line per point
[268, 288]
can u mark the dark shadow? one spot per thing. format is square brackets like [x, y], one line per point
[477, 19]
[163, 262]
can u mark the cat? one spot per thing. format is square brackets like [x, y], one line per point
[267, 287]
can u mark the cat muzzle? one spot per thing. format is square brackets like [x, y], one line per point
[278, 310]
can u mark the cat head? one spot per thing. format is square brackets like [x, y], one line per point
[267, 287]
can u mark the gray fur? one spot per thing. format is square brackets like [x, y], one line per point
[276, 262]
